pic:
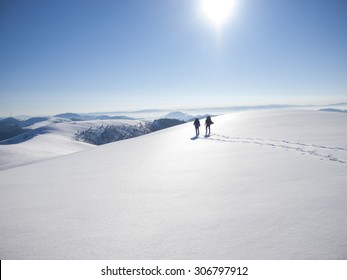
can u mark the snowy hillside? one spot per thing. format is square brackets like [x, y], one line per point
[50, 138]
[263, 185]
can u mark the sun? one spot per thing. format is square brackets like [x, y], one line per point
[218, 11]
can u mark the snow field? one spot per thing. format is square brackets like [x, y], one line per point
[245, 192]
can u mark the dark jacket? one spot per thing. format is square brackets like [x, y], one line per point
[196, 123]
[208, 121]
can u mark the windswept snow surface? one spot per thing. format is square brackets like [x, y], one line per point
[264, 185]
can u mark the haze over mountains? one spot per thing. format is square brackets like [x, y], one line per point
[157, 113]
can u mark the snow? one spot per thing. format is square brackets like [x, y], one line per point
[264, 185]
[48, 139]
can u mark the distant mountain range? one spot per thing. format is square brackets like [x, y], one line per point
[215, 110]
[185, 117]
[87, 117]
[333, 110]
[99, 132]
[338, 104]
[11, 127]
[219, 109]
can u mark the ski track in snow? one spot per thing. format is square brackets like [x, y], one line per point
[320, 151]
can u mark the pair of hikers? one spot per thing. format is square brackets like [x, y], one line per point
[208, 123]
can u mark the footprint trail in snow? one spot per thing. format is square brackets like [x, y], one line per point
[335, 154]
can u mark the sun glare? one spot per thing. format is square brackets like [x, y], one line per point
[218, 11]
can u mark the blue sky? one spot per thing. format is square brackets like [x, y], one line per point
[104, 55]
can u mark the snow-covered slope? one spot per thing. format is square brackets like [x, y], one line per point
[264, 185]
[48, 139]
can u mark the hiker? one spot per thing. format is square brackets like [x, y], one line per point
[197, 125]
[208, 123]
